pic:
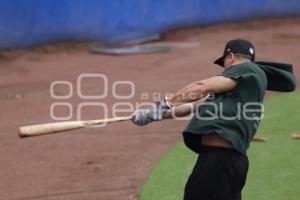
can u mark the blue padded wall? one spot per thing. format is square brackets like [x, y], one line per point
[27, 23]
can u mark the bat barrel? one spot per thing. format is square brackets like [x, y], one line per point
[42, 129]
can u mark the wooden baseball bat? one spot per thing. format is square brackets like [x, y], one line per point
[56, 127]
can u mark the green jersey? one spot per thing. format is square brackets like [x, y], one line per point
[233, 115]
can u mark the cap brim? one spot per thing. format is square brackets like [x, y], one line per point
[220, 61]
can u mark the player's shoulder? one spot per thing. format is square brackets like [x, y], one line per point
[248, 71]
[246, 66]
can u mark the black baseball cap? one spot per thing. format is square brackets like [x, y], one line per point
[239, 47]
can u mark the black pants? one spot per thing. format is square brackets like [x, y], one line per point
[219, 174]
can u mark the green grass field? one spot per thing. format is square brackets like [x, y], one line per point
[274, 166]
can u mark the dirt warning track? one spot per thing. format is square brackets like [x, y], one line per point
[111, 162]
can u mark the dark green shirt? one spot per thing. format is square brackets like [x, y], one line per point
[234, 115]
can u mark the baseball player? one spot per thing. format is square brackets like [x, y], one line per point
[227, 109]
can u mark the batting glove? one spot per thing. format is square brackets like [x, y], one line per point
[144, 117]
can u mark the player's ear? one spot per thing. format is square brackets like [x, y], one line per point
[232, 57]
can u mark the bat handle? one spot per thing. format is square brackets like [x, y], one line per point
[107, 120]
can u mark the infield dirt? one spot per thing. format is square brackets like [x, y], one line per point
[111, 162]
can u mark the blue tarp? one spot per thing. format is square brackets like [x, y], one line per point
[27, 23]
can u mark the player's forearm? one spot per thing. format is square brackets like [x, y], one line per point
[190, 93]
[183, 109]
[180, 111]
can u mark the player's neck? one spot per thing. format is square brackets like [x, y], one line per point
[237, 62]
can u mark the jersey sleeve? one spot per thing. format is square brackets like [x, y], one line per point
[250, 79]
